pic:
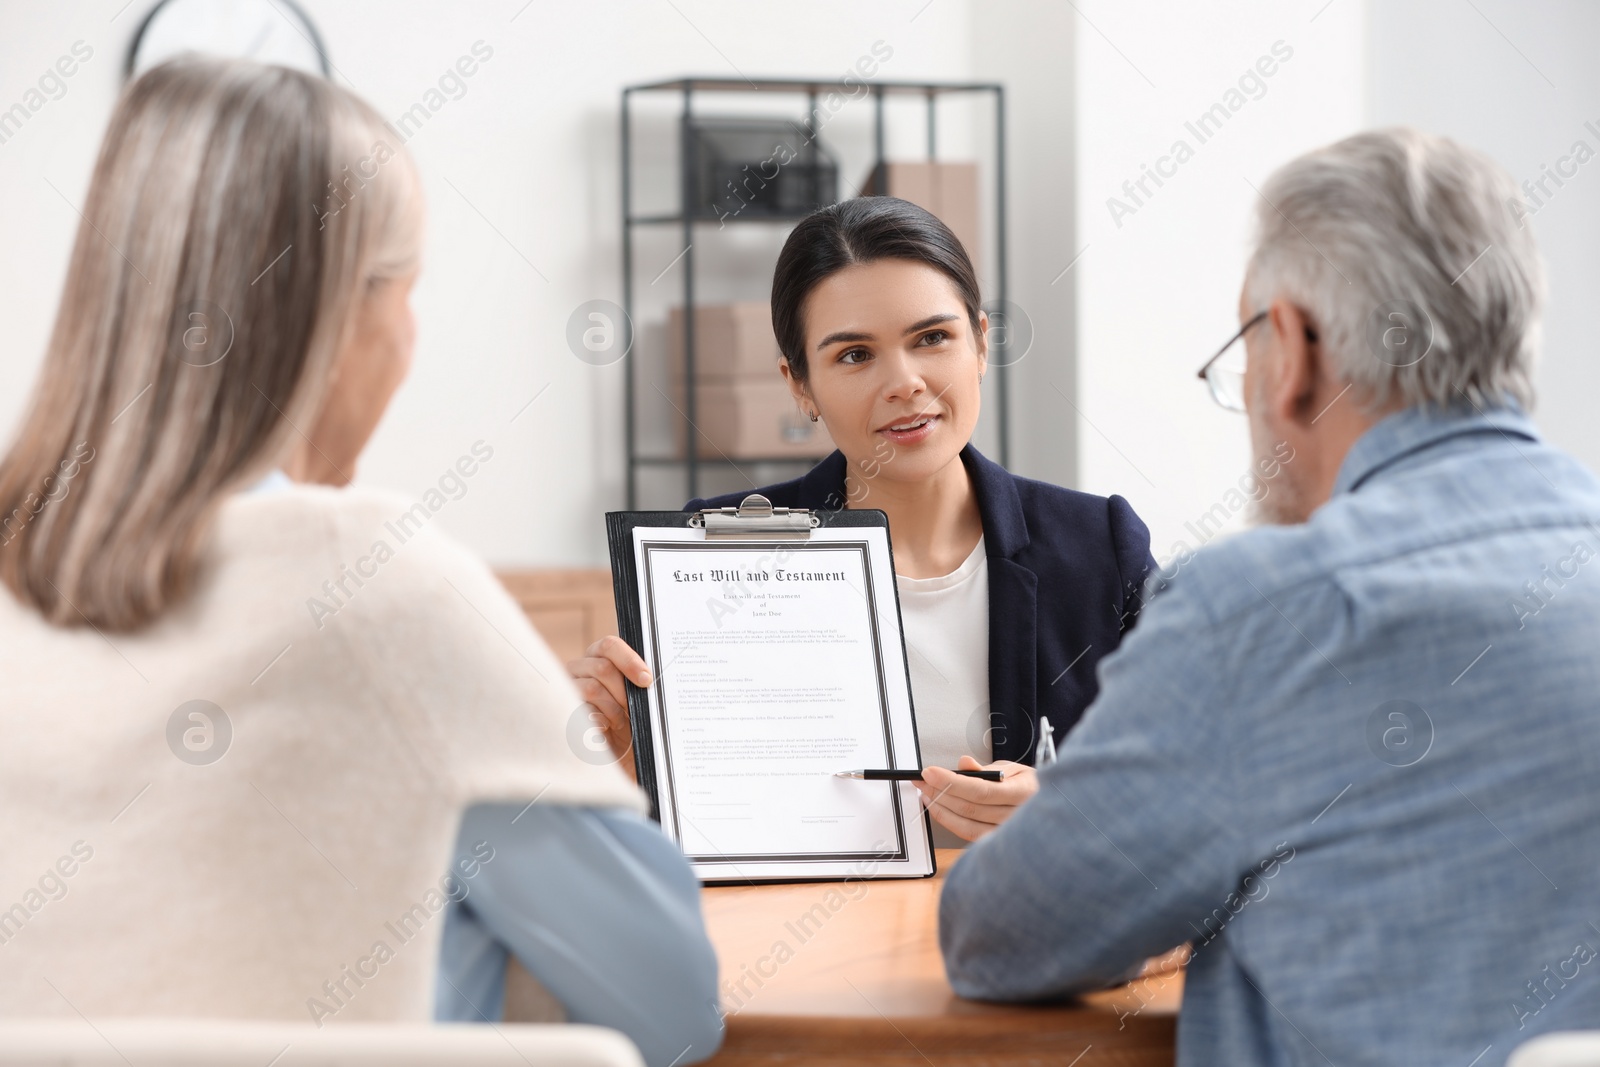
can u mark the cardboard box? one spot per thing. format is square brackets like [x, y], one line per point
[750, 418]
[730, 341]
[948, 190]
[743, 408]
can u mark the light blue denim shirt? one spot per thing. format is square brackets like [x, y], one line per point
[1354, 762]
[597, 904]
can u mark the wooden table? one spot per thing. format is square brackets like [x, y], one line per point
[851, 973]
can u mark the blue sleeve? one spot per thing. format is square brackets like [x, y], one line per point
[1136, 831]
[600, 907]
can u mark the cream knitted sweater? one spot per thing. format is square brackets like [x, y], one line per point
[136, 878]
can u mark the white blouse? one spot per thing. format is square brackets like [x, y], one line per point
[946, 622]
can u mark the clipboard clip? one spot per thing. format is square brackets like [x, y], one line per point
[756, 519]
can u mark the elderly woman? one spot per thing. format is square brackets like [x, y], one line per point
[276, 747]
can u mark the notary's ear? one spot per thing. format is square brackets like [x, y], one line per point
[798, 389]
[982, 341]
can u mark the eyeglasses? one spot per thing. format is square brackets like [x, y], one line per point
[1224, 372]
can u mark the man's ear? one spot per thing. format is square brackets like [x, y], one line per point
[797, 388]
[1292, 392]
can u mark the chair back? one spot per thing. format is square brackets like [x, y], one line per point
[219, 1043]
[1571, 1048]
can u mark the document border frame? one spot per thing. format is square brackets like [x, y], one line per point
[903, 852]
[624, 575]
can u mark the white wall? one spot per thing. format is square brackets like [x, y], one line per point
[1028, 47]
[1518, 82]
[1158, 289]
[532, 146]
[1106, 399]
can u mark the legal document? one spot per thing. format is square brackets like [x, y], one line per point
[777, 664]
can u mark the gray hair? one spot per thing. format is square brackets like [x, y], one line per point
[1408, 254]
[238, 216]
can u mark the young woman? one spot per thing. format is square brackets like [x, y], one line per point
[273, 757]
[1011, 590]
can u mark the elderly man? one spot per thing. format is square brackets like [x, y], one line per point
[1352, 757]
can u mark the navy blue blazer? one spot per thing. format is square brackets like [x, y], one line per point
[1088, 556]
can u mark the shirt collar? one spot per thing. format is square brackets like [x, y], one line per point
[1417, 428]
[274, 481]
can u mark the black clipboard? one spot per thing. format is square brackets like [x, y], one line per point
[754, 519]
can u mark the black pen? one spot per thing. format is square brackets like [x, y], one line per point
[913, 776]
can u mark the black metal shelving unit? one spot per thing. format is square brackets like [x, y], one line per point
[687, 88]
